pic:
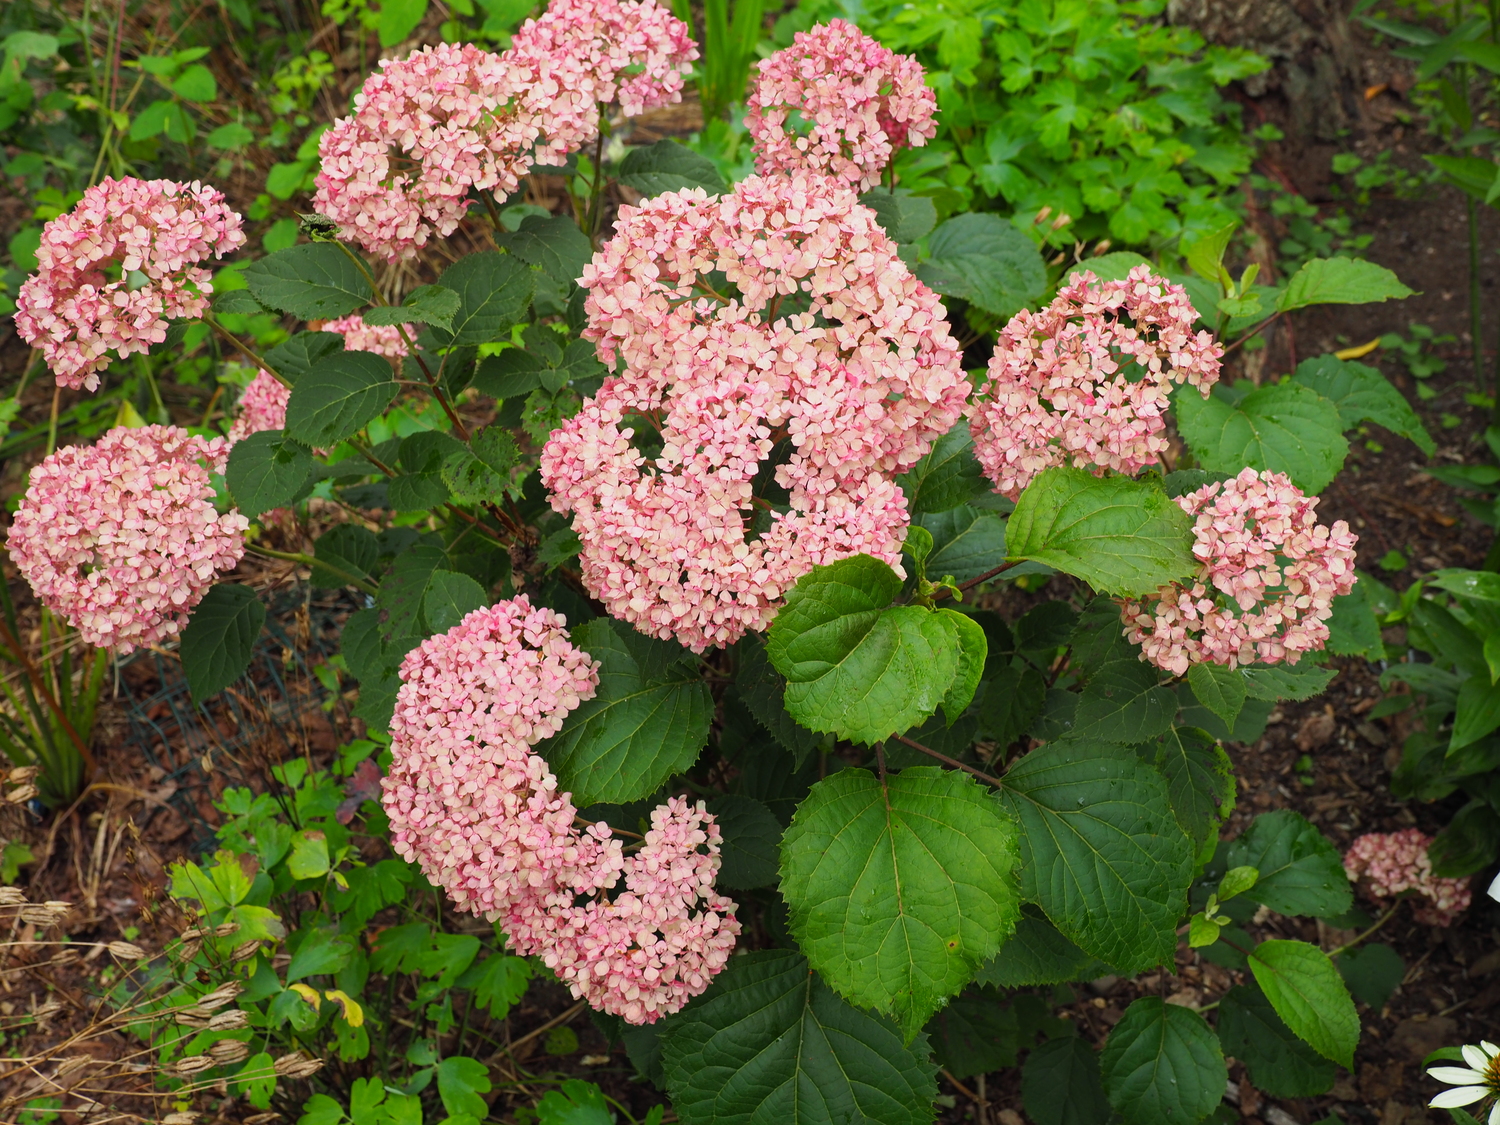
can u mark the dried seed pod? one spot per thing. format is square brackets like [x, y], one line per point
[12, 896]
[187, 950]
[70, 1068]
[193, 1064]
[22, 795]
[224, 929]
[262, 1118]
[126, 951]
[221, 995]
[22, 774]
[245, 951]
[227, 1051]
[230, 1020]
[189, 1019]
[297, 1065]
[46, 913]
[180, 1118]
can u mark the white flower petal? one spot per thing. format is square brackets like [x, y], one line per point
[1495, 1114]
[1489, 1048]
[1457, 1075]
[1475, 1057]
[1494, 891]
[1463, 1095]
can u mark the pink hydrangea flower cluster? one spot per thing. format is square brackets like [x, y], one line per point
[472, 803]
[853, 390]
[381, 339]
[430, 128]
[121, 537]
[1387, 865]
[1086, 380]
[1270, 574]
[262, 406]
[116, 268]
[861, 101]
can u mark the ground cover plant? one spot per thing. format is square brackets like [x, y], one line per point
[668, 522]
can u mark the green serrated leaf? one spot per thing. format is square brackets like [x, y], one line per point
[1340, 281]
[1220, 689]
[649, 719]
[975, 1034]
[1272, 683]
[1301, 872]
[428, 304]
[1061, 1084]
[294, 358]
[347, 551]
[220, 637]
[1279, 1063]
[312, 281]
[1363, 394]
[1309, 995]
[899, 888]
[1038, 954]
[1162, 1063]
[770, 1041]
[947, 476]
[1124, 702]
[494, 290]
[553, 243]
[450, 598]
[763, 690]
[983, 259]
[1373, 972]
[1200, 781]
[1121, 536]
[338, 396]
[752, 841]
[966, 542]
[903, 216]
[973, 649]
[1285, 427]
[267, 470]
[669, 166]
[1100, 850]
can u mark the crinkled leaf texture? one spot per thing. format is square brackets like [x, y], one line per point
[315, 280]
[1279, 1063]
[220, 638]
[1100, 850]
[1162, 1063]
[770, 1042]
[899, 889]
[1285, 427]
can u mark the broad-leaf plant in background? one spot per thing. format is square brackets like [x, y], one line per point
[679, 536]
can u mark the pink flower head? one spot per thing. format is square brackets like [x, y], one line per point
[121, 537]
[262, 407]
[860, 101]
[113, 270]
[838, 397]
[425, 131]
[1270, 574]
[381, 339]
[1085, 381]
[584, 53]
[479, 811]
[1387, 865]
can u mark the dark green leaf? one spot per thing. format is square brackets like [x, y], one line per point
[416, 492]
[947, 476]
[669, 166]
[460, 1081]
[1470, 842]
[428, 304]
[493, 292]
[1162, 1064]
[1354, 630]
[983, 259]
[267, 470]
[1271, 683]
[450, 598]
[554, 244]
[312, 281]
[1120, 536]
[1100, 850]
[321, 951]
[295, 357]
[1301, 873]
[770, 1041]
[338, 396]
[966, 542]
[1363, 394]
[1125, 703]
[511, 374]
[347, 548]
[972, 650]
[763, 690]
[974, 1034]
[220, 638]
[1279, 1063]
[649, 719]
[1061, 1085]
[898, 889]
[1305, 989]
[402, 592]
[1220, 689]
[1038, 954]
[752, 837]
[1340, 281]
[903, 216]
[1011, 701]
[499, 982]
[1200, 781]
[1372, 972]
[1285, 427]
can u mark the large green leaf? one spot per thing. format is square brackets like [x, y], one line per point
[1477, 713]
[1100, 850]
[451, 597]
[220, 638]
[975, 1034]
[1373, 972]
[853, 666]
[1340, 281]
[967, 542]
[267, 470]
[669, 166]
[1124, 702]
[291, 359]
[649, 719]
[427, 304]
[493, 292]
[905, 217]
[752, 841]
[1272, 683]
[1301, 873]
[338, 396]
[1060, 1084]
[317, 280]
[347, 551]
[947, 476]
[763, 691]
[770, 1042]
[1363, 394]
[1200, 780]
[553, 244]
[983, 259]
[1279, 1063]
[1285, 427]
[1162, 1064]
[1307, 992]
[1038, 954]
[1121, 536]
[1220, 689]
[899, 887]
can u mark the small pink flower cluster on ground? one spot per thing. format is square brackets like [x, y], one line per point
[116, 268]
[1270, 574]
[121, 537]
[262, 407]
[1086, 380]
[861, 101]
[853, 391]
[479, 811]
[449, 119]
[380, 339]
[1387, 865]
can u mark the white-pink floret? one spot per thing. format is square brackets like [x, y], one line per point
[379, 339]
[121, 537]
[116, 268]
[473, 804]
[1269, 576]
[844, 394]
[262, 406]
[1388, 865]
[1086, 380]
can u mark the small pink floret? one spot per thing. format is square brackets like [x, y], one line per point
[1387, 865]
